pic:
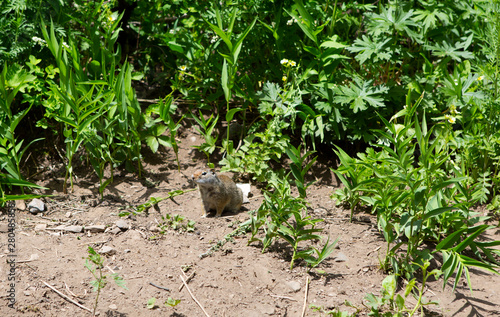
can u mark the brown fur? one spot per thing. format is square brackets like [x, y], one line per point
[218, 192]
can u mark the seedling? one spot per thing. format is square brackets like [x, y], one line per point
[151, 303]
[176, 222]
[172, 302]
[153, 201]
[94, 263]
[298, 170]
[206, 130]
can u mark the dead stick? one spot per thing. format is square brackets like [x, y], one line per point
[160, 287]
[376, 249]
[305, 298]
[110, 269]
[69, 291]
[284, 297]
[187, 279]
[66, 297]
[192, 296]
[94, 242]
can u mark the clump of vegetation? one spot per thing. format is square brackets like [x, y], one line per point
[282, 216]
[176, 223]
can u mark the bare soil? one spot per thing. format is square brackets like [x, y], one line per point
[236, 280]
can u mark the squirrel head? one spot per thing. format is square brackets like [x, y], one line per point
[204, 177]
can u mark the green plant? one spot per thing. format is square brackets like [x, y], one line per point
[265, 143]
[229, 66]
[94, 263]
[388, 297]
[154, 132]
[176, 222]
[206, 129]
[170, 302]
[419, 294]
[151, 303]
[240, 230]
[333, 313]
[415, 197]
[18, 22]
[79, 108]
[153, 201]
[395, 303]
[353, 183]
[298, 171]
[9, 182]
[12, 80]
[282, 216]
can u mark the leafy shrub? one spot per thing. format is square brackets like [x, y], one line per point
[416, 200]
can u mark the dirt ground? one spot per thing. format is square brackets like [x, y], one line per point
[236, 280]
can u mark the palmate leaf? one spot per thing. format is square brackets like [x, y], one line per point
[392, 19]
[368, 48]
[430, 18]
[360, 94]
[457, 52]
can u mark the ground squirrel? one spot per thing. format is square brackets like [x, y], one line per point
[218, 192]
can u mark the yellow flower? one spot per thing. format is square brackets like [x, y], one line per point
[284, 78]
[480, 78]
[450, 118]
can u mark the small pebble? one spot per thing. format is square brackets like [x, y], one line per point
[107, 250]
[36, 206]
[294, 285]
[20, 205]
[96, 228]
[115, 230]
[341, 257]
[122, 224]
[75, 229]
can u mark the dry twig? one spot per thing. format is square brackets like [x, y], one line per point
[160, 287]
[305, 298]
[95, 242]
[192, 296]
[32, 258]
[284, 297]
[66, 297]
[187, 279]
[70, 292]
[376, 249]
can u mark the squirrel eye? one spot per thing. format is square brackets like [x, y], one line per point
[204, 173]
